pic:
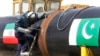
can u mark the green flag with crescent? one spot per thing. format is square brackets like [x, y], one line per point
[85, 32]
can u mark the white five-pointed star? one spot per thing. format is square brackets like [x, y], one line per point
[92, 26]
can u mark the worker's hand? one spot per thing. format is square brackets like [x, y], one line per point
[27, 31]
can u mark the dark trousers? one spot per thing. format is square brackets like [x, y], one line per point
[24, 42]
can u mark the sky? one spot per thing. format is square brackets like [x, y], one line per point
[6, 5]
[6, 8]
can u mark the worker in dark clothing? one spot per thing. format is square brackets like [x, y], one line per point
[24, 30]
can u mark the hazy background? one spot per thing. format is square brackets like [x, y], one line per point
[6, 5]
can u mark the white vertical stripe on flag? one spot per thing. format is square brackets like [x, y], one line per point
[8, 32]
[73, 31]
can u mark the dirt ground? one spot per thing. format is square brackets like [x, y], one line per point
[10, 51]
[6, 51]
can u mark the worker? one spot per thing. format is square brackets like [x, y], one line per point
[24, 30]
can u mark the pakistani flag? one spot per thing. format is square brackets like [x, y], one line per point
[8, 34]
[85, 32]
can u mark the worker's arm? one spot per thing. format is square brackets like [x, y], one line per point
[24, 30]
[41, 16]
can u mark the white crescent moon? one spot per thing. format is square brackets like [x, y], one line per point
[85, 35]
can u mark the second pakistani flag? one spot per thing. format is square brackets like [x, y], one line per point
[85, 32]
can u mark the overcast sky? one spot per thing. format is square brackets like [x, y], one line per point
[88, 2]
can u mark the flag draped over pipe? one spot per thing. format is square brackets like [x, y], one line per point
[85, 32]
